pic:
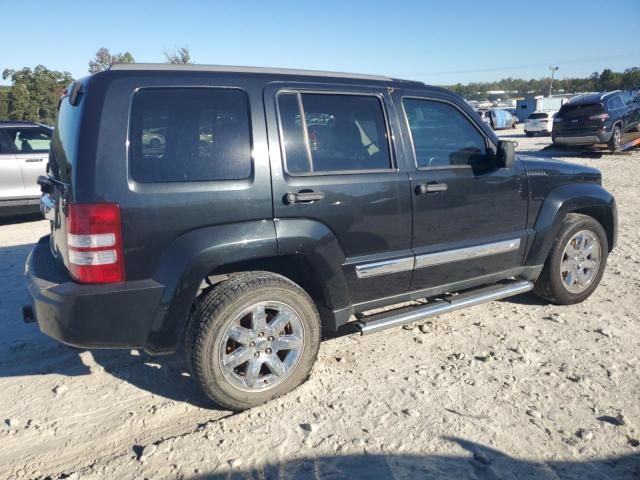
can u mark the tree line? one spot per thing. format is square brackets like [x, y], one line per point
[34, 92]
[596, 82]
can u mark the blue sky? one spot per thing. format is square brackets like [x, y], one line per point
[439, 42]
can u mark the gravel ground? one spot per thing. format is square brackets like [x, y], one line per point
[510, 389]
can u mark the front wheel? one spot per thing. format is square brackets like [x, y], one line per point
[252, 338]
[576, 262]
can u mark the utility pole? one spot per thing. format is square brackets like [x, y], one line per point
[553, 69]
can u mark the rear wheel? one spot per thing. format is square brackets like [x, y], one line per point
[576, 262]
[252, 338]
[616, 137]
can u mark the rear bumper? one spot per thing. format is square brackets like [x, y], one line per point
[537, 129]
[582, 139]
[89, 316]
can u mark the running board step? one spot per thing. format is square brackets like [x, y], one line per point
[385, 320]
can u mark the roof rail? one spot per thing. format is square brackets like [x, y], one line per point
[234, 69]
[609, 93]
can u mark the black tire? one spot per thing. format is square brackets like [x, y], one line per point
[616, 137]
[217, 309]
[529, 134]
[550, 285]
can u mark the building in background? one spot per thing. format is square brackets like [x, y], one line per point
[528, 105]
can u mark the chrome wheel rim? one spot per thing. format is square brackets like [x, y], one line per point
[261, 346]
[580, 261]
[616, 136]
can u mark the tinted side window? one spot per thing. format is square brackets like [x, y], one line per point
[190, 134]
[615, 103]
[29, 140]
[6, 144]
[443, 136]
[335, 133]
[295, 146]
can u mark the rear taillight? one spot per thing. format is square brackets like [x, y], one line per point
[94, 241]
[600, 116]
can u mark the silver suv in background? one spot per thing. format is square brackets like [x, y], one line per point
[24, 148]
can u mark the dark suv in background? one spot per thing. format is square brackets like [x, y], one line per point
[240, 211]
[597, 118]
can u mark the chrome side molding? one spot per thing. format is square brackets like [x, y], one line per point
[467, 253]
[397, 265]
[385, 267]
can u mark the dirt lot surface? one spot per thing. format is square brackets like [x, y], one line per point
[510, 389]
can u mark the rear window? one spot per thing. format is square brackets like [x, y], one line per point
[190, 134]
[580, 110]
[64, 145]
[333, 133]
[538, 116]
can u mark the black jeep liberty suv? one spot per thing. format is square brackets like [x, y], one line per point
[240, 211]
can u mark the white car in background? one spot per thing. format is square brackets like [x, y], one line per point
[539, 122]
[24, 151]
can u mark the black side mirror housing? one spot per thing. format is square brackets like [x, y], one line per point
[506, 153]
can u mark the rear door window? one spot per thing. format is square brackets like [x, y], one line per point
[190, 134]
[333, 133]
[443, 136]
[28, 140]
[615, 103]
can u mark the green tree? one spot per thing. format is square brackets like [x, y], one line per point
[103, 60]
[178, 56]
[607, 80]
[610, 80]
[34, 93]
[631, 77]
[4, 99]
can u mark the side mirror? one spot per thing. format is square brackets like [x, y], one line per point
[506, 153]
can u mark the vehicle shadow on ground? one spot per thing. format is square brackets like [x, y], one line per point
[166, 376]
[528, 298]
[13, 220]
[481, 463]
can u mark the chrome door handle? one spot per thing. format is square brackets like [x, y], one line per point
[303, 197]
[425, 188]
[32, 160]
